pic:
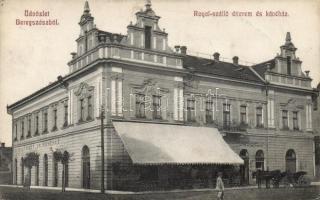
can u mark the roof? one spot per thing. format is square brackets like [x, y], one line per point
[220, 68]
[111, 36]
[150, 144]
[261, 68]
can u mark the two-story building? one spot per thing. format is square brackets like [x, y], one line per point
[171, 120]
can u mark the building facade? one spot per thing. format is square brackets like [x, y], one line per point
[5, 164]
[263, 112]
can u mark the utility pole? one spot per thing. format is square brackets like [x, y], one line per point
[102, 149]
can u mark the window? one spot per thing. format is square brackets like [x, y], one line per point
[15, 172]
[29, 127]
[85, 167]
[226, 116]
[285, 119]
[55, 172]
[16, 132]
[156, 106]
[147, 37]
[259, 117]
[190, 110]
[260, 160]
[89, 117]
[37, 125]
[54, 119]
[209, 111]
[243, 114]
[22, 171]
[65, 115]
[45, 122]
[140, 106]
[288, 65]
[295, 120]
[81, 110]
[291, 161]
[22, 130]
[45, 169]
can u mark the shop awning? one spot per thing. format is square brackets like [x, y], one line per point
[149, 143]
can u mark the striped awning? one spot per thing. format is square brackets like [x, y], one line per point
[150, 143]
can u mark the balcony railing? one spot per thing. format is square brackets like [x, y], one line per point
[233, 126]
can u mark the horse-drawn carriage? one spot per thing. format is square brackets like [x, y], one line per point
[275, 177]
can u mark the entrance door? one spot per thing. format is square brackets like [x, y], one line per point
[85, 167]
[244, 169]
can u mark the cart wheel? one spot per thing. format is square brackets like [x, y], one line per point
[304, 181]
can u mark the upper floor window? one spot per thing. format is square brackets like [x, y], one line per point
[29, 126]
[22, 129]
[140, 106]
[147, 37]
[81, 110]
[156, 102]
[37, 125]
[65, 123]
[288, 65]
[226, 116]
[295, 120]
[285, 119]
[243, 114]
[259, 122]
[209, 111]
[191, 110]
[55, 119]
[15, 131]
[90, 108]
[45, 122]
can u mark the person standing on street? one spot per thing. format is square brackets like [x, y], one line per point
[220, 186]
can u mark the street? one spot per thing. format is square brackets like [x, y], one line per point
[309, 193]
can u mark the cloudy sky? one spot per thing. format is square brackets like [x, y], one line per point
[31, 57]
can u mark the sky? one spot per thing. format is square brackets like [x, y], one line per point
[33, 56]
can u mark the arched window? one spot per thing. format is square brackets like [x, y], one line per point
[66, 169]
[85, 167]
[22, 171]
[260, 160]
[55, 172]
[45, 170]
[37, 173]
[291, 161]
[244, 169]
[15, 171]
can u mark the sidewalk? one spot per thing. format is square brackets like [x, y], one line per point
[142, 192]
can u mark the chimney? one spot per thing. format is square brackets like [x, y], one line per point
[3, 144]
[307, 73]
[183, 50]
[216, 56]
[235, 60]
[268, 66]
[177, 47]
[73, 54]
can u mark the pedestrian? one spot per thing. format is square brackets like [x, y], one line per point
[220, 186]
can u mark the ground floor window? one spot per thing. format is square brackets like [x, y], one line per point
[37, 174]
[22, 171]
[85, 167]
[291, 161]
[15, 171]
[45, 169]
[55, 173]
[260, 160]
